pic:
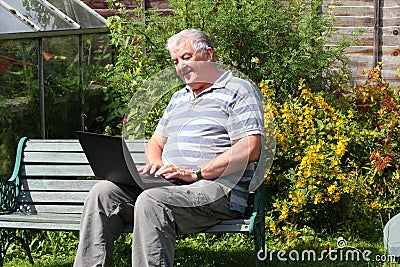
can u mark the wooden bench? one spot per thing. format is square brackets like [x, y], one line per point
[51, 181]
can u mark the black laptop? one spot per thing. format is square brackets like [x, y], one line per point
[110, 160]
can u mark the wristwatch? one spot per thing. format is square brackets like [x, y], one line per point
[197, 172]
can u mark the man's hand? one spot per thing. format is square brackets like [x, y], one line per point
[153, 155]
[149, 169]
[176, 173]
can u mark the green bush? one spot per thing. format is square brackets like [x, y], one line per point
[138, 40]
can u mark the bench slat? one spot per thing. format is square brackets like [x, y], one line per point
[42, 217]
[228, 228]
[57, 170]
[52, 145]
[138, 146]
[61, 226]
[52, 197]
[235, 221]
[57, 185]
[67, 157]
[219, 228]
[71, 222]
[54, 157]
[44, 221]
[73, 145]
[40, 226]
[47, 208]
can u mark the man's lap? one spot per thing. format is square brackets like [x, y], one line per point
[195, 206]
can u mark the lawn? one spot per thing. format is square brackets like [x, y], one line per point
[225, 250]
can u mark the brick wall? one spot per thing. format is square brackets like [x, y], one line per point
[101, 6]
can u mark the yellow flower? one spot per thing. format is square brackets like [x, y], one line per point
[331, 190]
[306, 94]
[341, 148]
[284, 213]
[376, 205]
[274, 229]
[301, 197]
[276, 205]
[293, 235]
[317, 198]
[335, 198]
[255, 60]
[301, 183]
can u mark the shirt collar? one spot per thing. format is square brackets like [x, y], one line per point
[222, 81]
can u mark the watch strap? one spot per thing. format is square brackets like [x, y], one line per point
[197, 172]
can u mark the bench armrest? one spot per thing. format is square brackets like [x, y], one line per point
[258, 215]
[257, 185]
[8, 196]
[9, 190]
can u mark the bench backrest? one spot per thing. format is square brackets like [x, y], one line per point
[63, 158]
[55, 175]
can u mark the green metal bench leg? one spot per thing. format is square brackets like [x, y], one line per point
[259, 244]
[7, 236]
[259, 231]
[25, 243]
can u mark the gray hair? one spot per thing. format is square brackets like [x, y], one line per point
[199, 40]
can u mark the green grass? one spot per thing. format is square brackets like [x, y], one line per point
[203, 250]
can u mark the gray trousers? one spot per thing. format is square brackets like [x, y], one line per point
[155, 216]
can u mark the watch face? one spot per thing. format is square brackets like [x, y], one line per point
[196, 170]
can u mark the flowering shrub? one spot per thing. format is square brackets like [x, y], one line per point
[306, 176]
[376, 109]
[337, 163]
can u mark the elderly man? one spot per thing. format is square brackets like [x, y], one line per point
[208, 137]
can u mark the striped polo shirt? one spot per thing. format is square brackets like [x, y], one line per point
[200, 128]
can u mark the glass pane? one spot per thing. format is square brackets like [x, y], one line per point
[17, 69]
[11, 24]
[40, 15]
[96, 55]
[79, 13]
[62, 95]
[19, 107]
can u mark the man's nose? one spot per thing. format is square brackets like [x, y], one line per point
[181, 64]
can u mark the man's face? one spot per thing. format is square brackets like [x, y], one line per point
[190, 65]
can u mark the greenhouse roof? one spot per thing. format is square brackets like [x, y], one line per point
[38, 18]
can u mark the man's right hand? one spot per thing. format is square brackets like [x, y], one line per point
[149, 169]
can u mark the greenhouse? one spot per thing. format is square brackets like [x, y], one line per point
[49, 52]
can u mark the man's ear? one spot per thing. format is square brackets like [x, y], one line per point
[210, 54]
